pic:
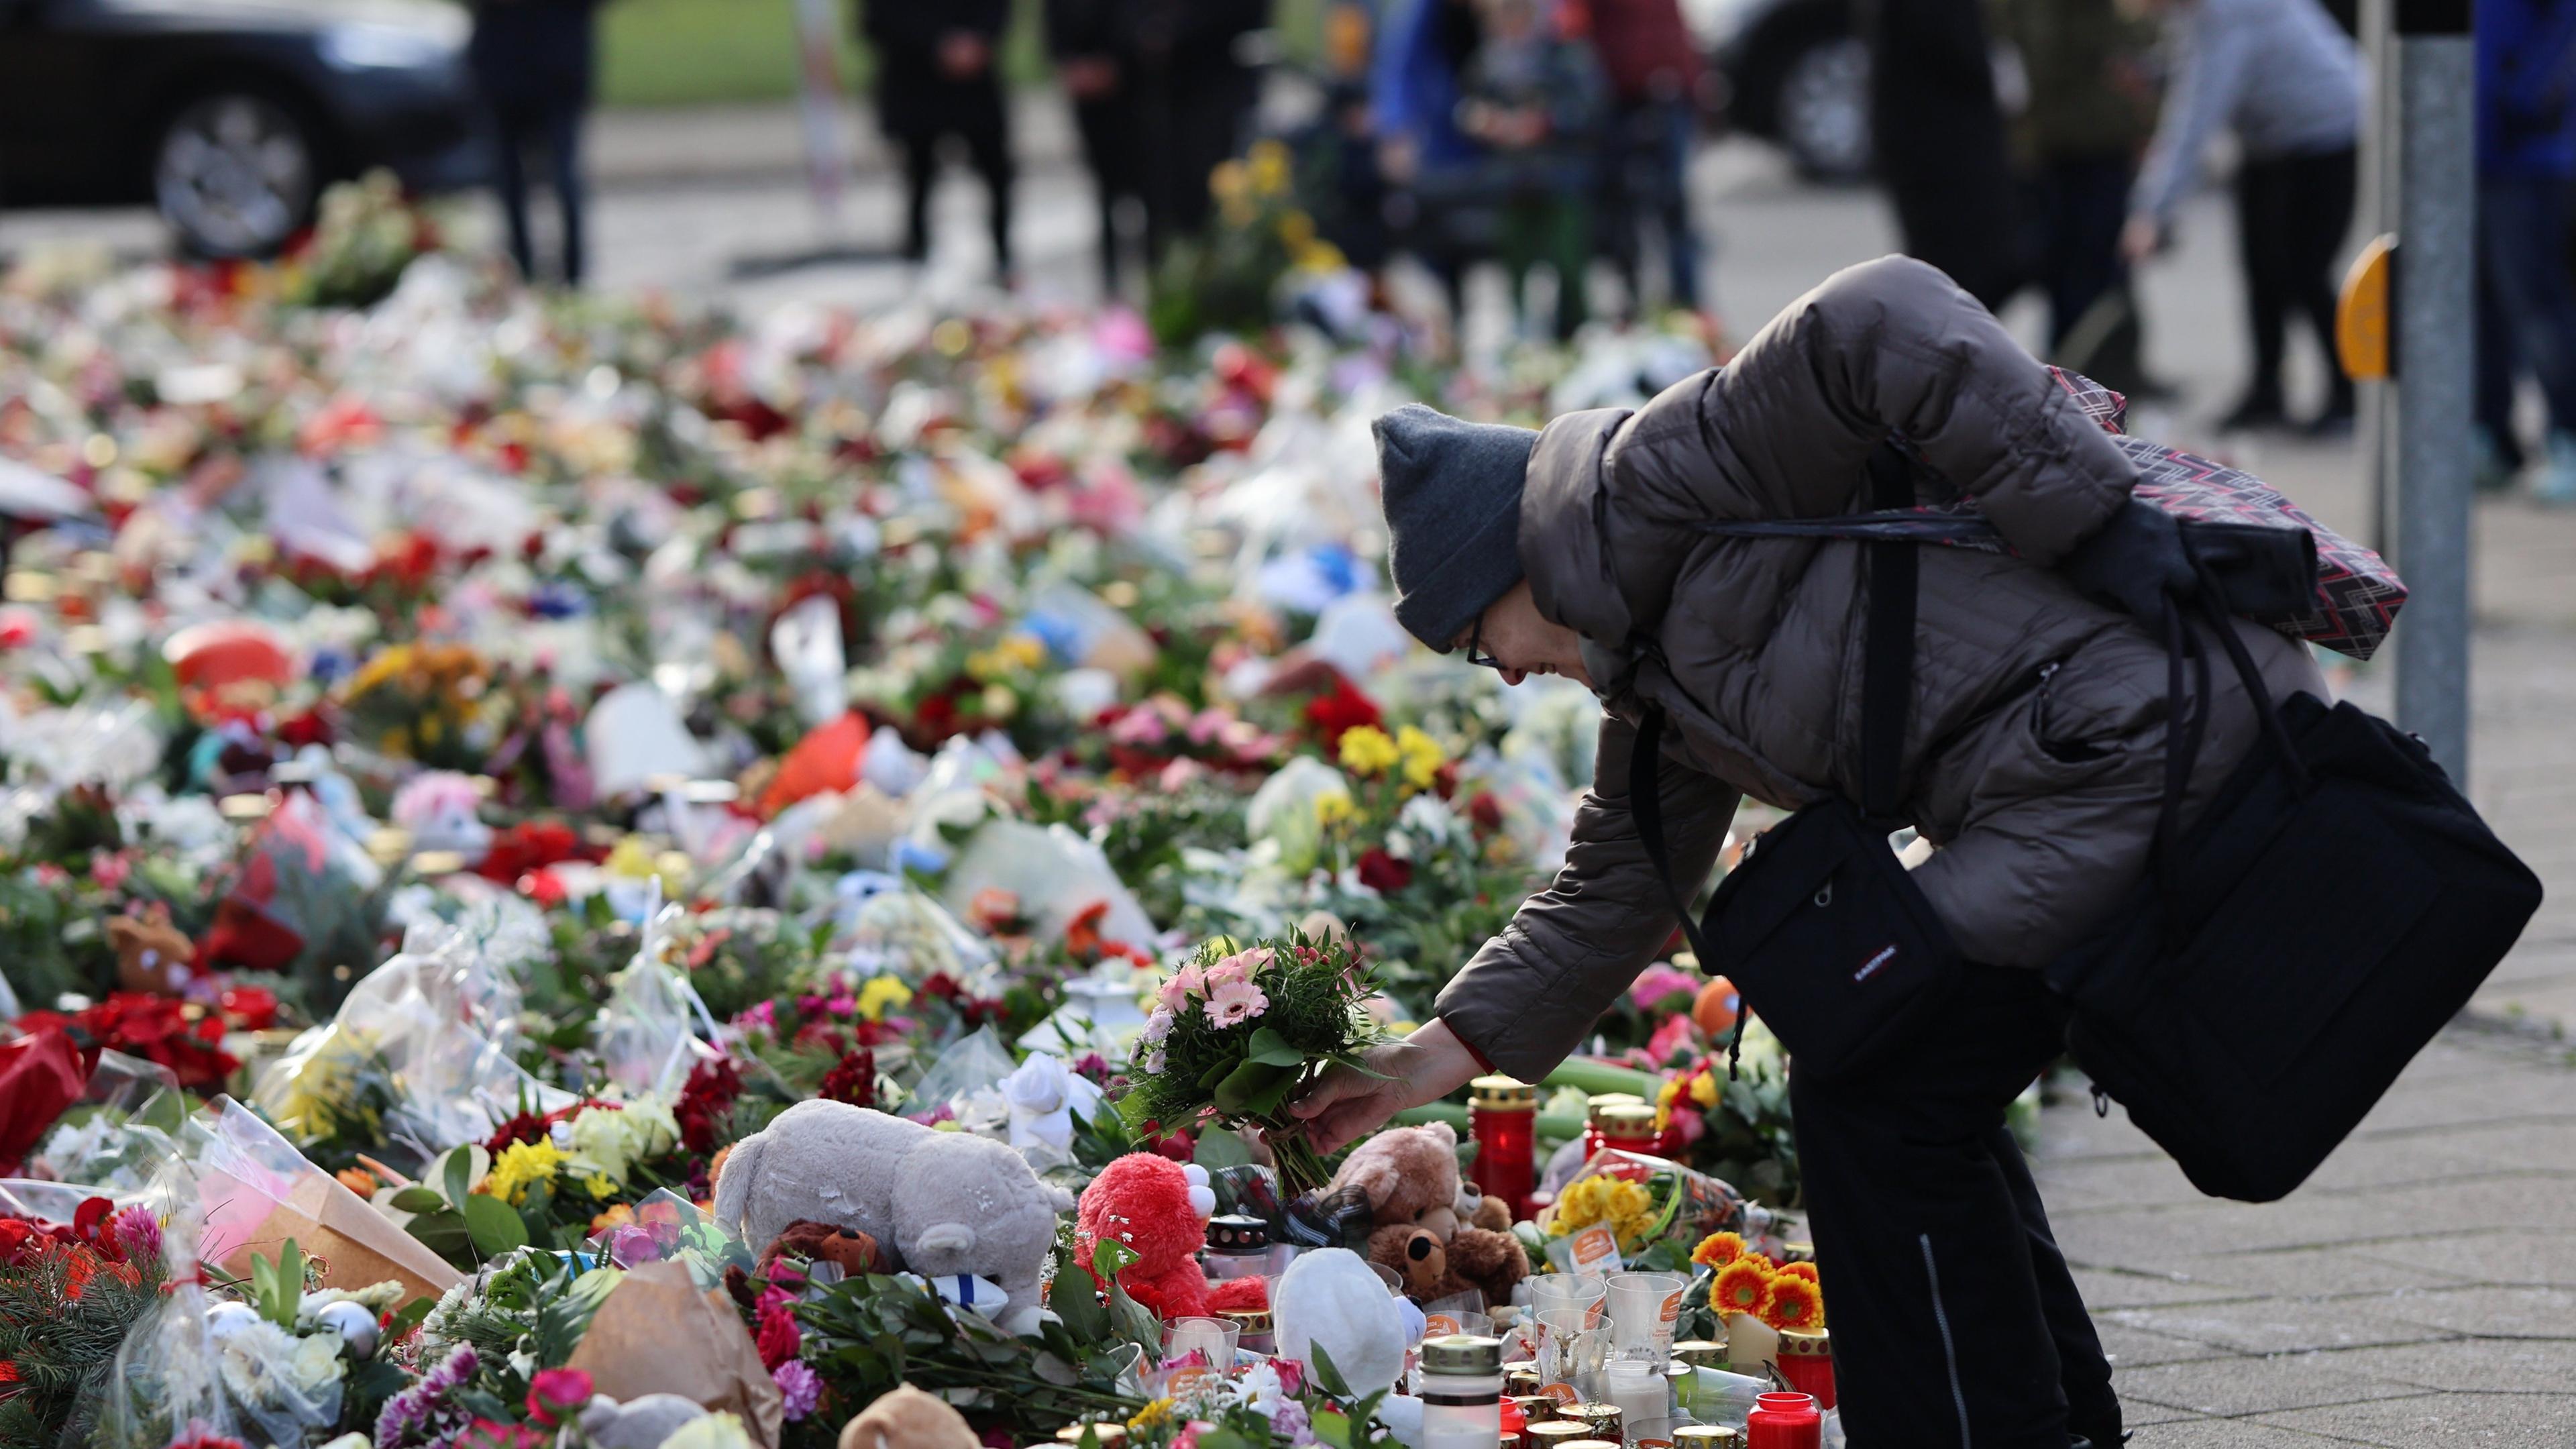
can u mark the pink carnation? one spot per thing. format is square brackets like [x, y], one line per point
[1659, 981]
[1189, 982]
[800, 1386]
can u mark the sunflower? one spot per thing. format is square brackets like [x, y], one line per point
[1718, 1249]
[1795, 1303]
[1743, 1286]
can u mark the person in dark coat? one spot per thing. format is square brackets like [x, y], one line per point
[2092, 109]
[1193, 94]
[937, 76]
[1653, 67]
[1087, 40]
[2526, 170]
[532, 61]
[1939, 136]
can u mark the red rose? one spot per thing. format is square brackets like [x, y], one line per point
[1384, 873]
[1341, 708]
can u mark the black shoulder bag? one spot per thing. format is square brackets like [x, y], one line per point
[2331, 909]
[1820, 927]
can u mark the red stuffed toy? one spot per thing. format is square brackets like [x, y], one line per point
[1160, 1209]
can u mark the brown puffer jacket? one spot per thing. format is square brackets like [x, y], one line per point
[2034, 751]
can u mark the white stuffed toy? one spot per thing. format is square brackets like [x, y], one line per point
[1333, 1297]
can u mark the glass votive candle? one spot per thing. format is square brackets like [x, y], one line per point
[1196, 1346]
[1579, 1291]
[1643, 1309]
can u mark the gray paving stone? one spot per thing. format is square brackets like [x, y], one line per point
[2207, 1433]
[2280, 1325]
[2134, 1348]
[2318, 1273]
[2539, 1259]
[2466, 1365]
[2237, 1386]
[2493, 1312]
[2108, 1290]
[2488, 1421]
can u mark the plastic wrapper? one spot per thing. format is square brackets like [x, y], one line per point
[300, 894]
[975, 1063]
[254, 1191]
[894, 927]
[115, 745]
[119, 1133]
[647, 1034]
[424, 1041]
[1054, 873]
[1685, 1205]
[168, 1379]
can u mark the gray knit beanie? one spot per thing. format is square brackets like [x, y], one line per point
[1452, 492]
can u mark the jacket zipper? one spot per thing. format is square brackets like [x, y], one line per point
[1949, 1349]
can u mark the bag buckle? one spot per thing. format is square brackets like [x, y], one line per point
[1825, 897]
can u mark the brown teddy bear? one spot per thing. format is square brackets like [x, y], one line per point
[1477, 1258]
[151, 955]
[1409, 1176]
[854, 1251]
[909, 1419]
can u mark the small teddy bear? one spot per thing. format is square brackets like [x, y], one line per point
[1486, 1261]
[1159, 1208]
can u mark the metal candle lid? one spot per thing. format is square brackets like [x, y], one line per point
[1462, 1353]
[1110, 1433]
[1555, 1433]
[1805, 1343]
[1502, 1094]
[1238, 1233]
[1623, 1119]
[1250, 1320]
[1707, 1436]
[1701, 1353]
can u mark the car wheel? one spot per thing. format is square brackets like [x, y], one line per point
[1823, 108]
[234, 175]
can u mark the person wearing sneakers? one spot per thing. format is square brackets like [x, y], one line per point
[2286, 80]
[2032, 758]
[2526, 184]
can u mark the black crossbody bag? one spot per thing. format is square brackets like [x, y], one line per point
[1820, 926]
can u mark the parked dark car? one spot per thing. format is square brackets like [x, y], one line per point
[1794, 72]
[230, 116]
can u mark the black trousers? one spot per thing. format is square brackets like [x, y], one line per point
[1108, 130]
[1955, 1321]
[2081, 201]
[2291, 216]
[988, 147]
[554, 130]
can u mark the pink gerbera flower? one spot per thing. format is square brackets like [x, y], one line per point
[1236, 1002]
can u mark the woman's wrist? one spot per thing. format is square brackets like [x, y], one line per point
[1447, 1062]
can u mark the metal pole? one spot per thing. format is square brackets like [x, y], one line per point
[2436, 307]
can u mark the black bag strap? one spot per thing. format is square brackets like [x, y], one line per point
[1887, 681]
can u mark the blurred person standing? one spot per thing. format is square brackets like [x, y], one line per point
[2286, 79]
[2526, 167]
[533, 61]
[1939, 138]
[1653, 67]
[1193, 91]
[2091, 110]
[1086, 38]
[1532, 94]
[937, 76]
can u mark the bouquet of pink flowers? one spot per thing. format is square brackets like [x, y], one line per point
[1238, 1033]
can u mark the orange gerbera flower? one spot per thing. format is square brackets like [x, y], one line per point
[1795, 1303]
[1768, 1267]
[1802, 1270]
[1718, 1249]
[1743, 1286]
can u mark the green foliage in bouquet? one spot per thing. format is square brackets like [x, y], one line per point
[366, 234]
[865, 1336]
[1238, 1033]
[63, 1314]
[1226, 279]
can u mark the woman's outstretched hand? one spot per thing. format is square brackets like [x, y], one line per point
[1424, 1067]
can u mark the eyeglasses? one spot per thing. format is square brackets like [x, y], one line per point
[1476, 647]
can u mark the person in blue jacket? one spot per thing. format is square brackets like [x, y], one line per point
[2526, 289]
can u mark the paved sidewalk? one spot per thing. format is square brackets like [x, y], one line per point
[2420, 1291]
